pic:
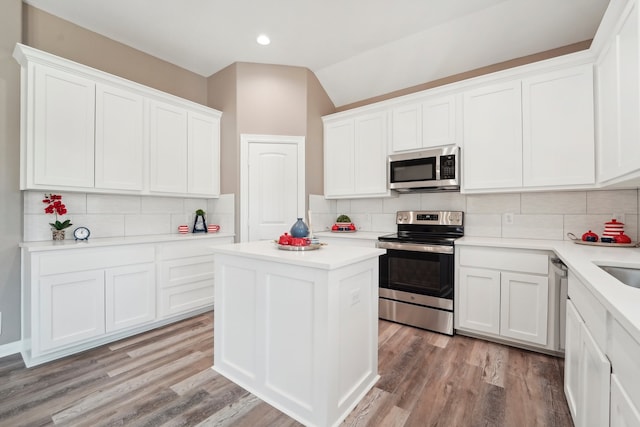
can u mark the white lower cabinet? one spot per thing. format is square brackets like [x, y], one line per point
[130, 296]
[185, 277]
[623, 411]
[78, 298]
[71, 309]
[587, 372]
[504, 294]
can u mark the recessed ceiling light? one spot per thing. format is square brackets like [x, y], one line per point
[263, 39]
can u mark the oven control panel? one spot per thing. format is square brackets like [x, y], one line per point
[429, 217]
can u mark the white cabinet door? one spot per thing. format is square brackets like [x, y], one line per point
[119, 141]
[558, 128]
[71, 309]
[524, 307]
[587, 374]
[439, 125]
[339, 158]
[203, 155]
[629, 91]
[595, 373]
[609, 149]
[63, 129]
[572, 354]
[130, 296]
[185, 284]
[623, 411]
[492, 155]
[168, 148]
[370, 155]
[406, 128]
[479, 300]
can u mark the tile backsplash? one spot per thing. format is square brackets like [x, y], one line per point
[109, 215]
[548, 215]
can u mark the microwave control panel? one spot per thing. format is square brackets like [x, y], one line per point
[448, 167]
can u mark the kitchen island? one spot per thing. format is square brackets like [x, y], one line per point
[299, 329]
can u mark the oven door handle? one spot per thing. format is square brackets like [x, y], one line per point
[415, 247]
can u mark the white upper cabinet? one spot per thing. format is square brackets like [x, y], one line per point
[355, 156]
[59, 137]
[203, 153]
[167, 148]
[406, 127]
[119, 141]
[531, 133]
[558, 128]
[429, 122]
[618, 86]
[492, 153]
[86, 130]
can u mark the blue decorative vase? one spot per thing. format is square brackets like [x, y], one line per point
[299, 229]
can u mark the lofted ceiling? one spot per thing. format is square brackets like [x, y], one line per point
[358, 49]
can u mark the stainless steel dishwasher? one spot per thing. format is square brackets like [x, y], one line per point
[559, 273]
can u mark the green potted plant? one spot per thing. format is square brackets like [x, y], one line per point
[199, 224]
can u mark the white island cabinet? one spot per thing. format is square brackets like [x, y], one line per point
[298, 329]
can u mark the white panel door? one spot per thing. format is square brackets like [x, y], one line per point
[204, 155]
[130, 296]
[63, 133]
[273, 189]
[479, 300]
[119, 139]
[167, 148]
[524, 307]
[558, 128]
[492, 154]
[71, 309]
[595, 383]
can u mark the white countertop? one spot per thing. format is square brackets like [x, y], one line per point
[621, 300]
[328, 257]
[364, 235]
[51, 245]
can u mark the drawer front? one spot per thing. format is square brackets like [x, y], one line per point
[66, 261]
[592, 312]
[188, 270]
[534, 262]
[181, 299]
[624, 352]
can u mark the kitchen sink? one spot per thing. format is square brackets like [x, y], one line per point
[628, 276]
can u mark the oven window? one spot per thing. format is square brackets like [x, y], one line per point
[416, 272]
[414, 170]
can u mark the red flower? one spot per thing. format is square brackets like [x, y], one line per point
[55, 206]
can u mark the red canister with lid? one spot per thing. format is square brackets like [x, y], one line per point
[613, 228]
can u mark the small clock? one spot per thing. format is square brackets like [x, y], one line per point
[81, 233]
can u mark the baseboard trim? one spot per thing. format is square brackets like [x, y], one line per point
[11, 348]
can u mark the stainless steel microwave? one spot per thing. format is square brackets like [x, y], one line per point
[435, 169]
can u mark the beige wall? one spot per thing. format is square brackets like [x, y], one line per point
[318, 105]
[10, 197]
[474, 73]
[59, 37]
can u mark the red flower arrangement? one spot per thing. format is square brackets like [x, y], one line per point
[55, 206]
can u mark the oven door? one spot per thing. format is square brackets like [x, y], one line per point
[418, 272]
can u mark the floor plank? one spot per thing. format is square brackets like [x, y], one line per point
[164, 378]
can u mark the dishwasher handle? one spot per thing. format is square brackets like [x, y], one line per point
[560, 267]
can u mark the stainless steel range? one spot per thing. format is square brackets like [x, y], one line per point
[417, 272]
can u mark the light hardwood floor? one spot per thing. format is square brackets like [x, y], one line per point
[163, 378]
